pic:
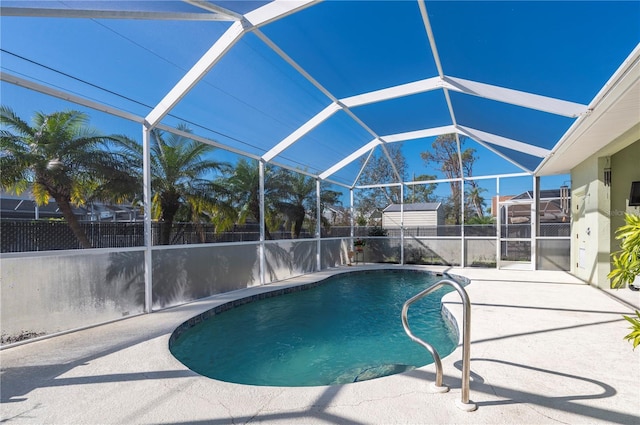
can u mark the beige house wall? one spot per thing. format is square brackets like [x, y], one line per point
[625, 168]
[598, 208]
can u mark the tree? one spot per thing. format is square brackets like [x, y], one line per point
[181, 178]
[243, 188]
[422, 192]
[61, 157]
[294, 191]
[474, 198]
[297, 197]
[379, 171]
[445, 155]
[328, 198]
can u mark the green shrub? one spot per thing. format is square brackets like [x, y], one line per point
[626, 267]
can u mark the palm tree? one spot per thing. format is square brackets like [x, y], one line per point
[294, 190]
[181, 178]
[60, 157]
[475, 199]
[243, 186]
[297, 195]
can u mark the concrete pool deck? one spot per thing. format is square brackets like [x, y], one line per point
[545, 348]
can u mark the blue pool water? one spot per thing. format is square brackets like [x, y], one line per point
[346, 329]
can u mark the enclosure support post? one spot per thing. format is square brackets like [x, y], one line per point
[318, 228]
[498, 213]
[462, 219]
[350, 251]
[535, 207]
[351, 219]
[261, 250]
[402, 223]
[148, 241]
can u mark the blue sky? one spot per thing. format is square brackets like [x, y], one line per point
[252, 99]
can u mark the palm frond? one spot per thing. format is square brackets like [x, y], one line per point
[10, 119]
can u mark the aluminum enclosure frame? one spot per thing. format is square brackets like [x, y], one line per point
[279, 9]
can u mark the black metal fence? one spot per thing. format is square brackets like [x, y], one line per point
[23, 236]
[46, 235]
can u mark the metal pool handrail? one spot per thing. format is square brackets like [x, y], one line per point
[464, 403]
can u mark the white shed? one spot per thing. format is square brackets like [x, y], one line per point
[422, 214]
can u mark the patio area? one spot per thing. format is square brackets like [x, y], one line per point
[545, 348]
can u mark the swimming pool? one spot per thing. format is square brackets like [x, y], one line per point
[345, 329]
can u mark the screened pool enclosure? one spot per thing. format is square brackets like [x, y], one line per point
[277, 133]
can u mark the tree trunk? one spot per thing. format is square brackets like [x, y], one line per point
[254, 207]
[169, 204]
[72, 221]
[298, 221]
[165, 233]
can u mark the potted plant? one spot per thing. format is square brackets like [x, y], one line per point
[626, 267]
[359, 244]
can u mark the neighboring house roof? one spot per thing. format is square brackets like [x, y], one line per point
[551, 208]
[419, 206]
[544, 194]
[23, 206]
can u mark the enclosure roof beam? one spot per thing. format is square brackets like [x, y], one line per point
[377, 186]
[261, 16]
[430, 36]
[301, 131]
[196, 73]
[516, 97]
[205, 140]
[420, 182]
[383, 146]
[21, 82]
[504, 142]
[497, 176]
[350, 158]
[294, 137]
[32, 12]
[473, 88]
[401, 90]
[480, 136]
[479, 140]
[364, 165]
[420, 134]
[276, 10]
[203, 4]
[322, 89]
